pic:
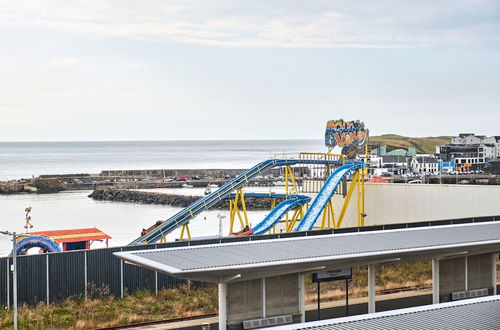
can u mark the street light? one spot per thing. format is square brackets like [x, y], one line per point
[14, 269]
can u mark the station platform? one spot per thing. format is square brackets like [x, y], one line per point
[332, 309]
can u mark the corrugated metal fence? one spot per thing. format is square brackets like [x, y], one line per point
[85, 273]
[91, 273]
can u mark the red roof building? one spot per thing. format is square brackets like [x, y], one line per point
[75, 239]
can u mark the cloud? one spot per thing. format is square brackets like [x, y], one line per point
[86, 94]
[238, 23]
[63, 62]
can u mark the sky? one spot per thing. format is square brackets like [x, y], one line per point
[242, 69]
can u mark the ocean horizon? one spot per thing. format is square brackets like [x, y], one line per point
[25, 159]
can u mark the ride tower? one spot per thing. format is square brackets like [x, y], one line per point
[350, 137]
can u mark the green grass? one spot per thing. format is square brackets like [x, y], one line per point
[110, 311]
[424, 145]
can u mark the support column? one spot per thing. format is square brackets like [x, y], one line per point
[435, 281]
[494, 272]
[302, 298]
[371, 288]
[222, 306]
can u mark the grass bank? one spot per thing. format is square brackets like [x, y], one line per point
[110, 311]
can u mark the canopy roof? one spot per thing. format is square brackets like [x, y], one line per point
[253, 259]
[74, 235]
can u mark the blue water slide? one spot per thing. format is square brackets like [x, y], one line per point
[326, 193]
[38, 241]
[181, 218]
[278, 212]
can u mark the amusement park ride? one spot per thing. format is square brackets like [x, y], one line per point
[321, 176]
[326, 170]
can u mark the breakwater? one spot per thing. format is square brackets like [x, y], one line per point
[39, 186]
[142, 197]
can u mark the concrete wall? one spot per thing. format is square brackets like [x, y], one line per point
[402, 203]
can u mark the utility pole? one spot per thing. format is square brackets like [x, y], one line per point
[14, 271]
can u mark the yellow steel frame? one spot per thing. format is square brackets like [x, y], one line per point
[297, 215]
[185, 229]
[328, 220]
[234, 210]
[289, 176]
[354, 182]
[324, 154]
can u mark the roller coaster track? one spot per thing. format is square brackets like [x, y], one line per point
[183, 217]
[326, 193]
[278, 212]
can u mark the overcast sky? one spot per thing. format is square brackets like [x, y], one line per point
[235, 69]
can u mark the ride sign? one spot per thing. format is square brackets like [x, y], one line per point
[332, 275]
[341, 133]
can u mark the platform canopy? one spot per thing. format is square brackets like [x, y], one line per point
[256, 259]
[74, 235]
[478, 313]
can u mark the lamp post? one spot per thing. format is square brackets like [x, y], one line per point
[14, 270]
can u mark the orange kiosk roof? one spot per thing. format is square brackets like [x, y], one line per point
[74, 235]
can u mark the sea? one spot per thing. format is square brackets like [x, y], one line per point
[124, 221]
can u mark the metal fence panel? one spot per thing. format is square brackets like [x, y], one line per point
[138, 278]
[4, 272]
[31, 279]
[168, 282]
[66, 275]
[103, 271]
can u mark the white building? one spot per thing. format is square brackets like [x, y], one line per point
[424, 164]
[467, 138]
[495, 142]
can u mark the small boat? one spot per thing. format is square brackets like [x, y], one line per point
[208, 191]
[244, 232]
[213, 185]
[187, 185]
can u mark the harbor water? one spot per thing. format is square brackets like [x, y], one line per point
[123, 221]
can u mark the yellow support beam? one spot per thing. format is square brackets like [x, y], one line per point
[359, 199]
[234, 211]
[363, 214]
[347, 198]
[328, 220]
[243, 206]
[231, 216]
[185, 229]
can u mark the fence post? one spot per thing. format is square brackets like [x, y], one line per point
[85, 273]
[121, 276]
[8, 283]
[47, 276]
[156, 282]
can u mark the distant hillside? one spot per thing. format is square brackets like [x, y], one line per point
[424, 145]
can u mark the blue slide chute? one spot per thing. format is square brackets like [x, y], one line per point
[278, 212]
[36, 241]
[326, 193]
[181, 218]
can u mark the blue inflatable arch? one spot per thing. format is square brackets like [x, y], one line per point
[38, 241]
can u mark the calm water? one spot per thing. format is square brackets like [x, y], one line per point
[24, 159]
[122, 221]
